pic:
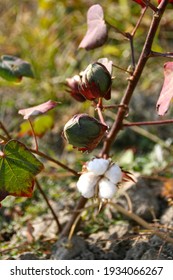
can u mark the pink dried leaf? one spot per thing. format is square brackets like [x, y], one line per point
[96, 34]
[166, 93]
[38, 110]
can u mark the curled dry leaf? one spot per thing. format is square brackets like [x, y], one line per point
[96, 34]
[38, 110]
[73, 88]
[166, 93]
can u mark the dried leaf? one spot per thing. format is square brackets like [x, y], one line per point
[96, 34]
[38, 110]
[73, 85]
[166, 93]
[167, 189]
[127, 176]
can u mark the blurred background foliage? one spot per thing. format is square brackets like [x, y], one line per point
[47, 34]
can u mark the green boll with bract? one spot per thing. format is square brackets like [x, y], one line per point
[84, 132]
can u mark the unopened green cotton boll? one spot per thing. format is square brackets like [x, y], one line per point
[84, 132]
[96, 81]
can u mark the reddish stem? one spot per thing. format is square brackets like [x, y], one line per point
[157, 54]
[99, 109]
[148, 4]
[5, 130]
[139, 21]
[148, 123]
[41, 154]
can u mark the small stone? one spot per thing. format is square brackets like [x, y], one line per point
[63, 250]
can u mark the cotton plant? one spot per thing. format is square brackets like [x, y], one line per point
[100, 178]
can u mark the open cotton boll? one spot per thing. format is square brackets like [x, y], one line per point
[106, 189]
[86, 184]
[88, 193]
[114, 174]
[98, 166]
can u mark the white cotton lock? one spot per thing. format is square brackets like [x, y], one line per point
[114, 174]
[106, 189]
[98, 166]
[86, 184]
[88, 193]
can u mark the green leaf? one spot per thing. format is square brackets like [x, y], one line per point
[13, 68]
[18, 168]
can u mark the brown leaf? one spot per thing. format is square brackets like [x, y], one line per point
[166, 94]
[96, 34]
[38, 110]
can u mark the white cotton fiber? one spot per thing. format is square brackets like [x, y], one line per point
[86, 184]
[98, 166]
[114, 174]
[106, 189]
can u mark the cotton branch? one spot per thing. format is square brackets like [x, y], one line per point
[161, 122]
[133, 81]
[158, 54]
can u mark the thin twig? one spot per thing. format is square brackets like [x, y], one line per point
[33, 133]
[120, 68]
[154, 138]
[5, 130]
[49, 205]
[158, 54]
[81, 203]
[141, 222]
[161, 122]
[3, 138]
[148, 4]
[41, 154]
[72, 230]
[139, 21]
[132, 50]
[99, 109]
[117, 30]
